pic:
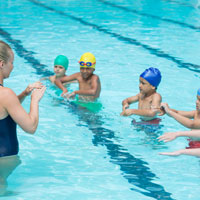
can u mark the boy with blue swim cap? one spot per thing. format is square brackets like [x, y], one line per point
[148, 99]
[89, 83]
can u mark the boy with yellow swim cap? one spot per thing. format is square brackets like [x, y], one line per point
[89, 83]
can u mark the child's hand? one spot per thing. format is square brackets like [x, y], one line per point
[36, 85]
[71, 95]
[166, 137]
[162, 111]
[126, 106]
[64, 93]
[175, 153]
[165, 106]
[126, 112]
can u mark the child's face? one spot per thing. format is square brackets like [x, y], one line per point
[59, 70]
[145, 86]
[86, 72]
[198, 103]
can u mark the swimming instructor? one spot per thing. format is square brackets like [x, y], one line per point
[12, 112]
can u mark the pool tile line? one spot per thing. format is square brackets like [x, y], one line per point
[134, 170]
[151, 50]
[41, 69]
[183, 4]
[182, 24]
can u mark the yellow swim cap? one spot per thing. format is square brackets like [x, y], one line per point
[87, 60]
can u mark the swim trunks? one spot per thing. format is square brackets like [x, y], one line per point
[91, 106]
[193, 144]
[155, 121]
[8, 137]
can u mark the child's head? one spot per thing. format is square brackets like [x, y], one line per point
[151, 76]
[60, 65]
[87, 64]
[198, 100]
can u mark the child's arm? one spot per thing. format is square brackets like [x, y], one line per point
[126, 102]
[166, 137]
[190, 152]
[193, 124]
[44, 78]
[59, 82]
[88, 92]
[188, 114]
[152, 112]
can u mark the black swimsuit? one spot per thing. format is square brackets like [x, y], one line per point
[8, 137]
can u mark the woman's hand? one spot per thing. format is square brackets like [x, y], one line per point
[37, 94]
[31, 87]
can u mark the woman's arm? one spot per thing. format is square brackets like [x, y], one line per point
[28, 90]
[11, 103]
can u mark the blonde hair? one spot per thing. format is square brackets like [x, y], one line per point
[4, 51]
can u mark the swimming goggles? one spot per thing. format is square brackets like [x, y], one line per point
[88, 64]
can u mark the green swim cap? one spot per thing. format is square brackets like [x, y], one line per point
[61, 60]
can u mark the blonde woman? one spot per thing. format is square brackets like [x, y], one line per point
[12, 113]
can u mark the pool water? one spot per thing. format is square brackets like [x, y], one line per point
[76, 152]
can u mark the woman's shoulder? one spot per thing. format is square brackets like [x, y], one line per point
[6, 93]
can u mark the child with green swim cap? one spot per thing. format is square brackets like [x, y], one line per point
[60, 67]
[148, 99]
[89, 83]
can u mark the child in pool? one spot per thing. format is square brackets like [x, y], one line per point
[189, 119]
[166, 137]
[148, 99]
[60, 67]
[89, 83]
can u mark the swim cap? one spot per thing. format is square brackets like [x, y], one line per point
[87, 60]
[61, 60]
[198, 92]
[152, 75]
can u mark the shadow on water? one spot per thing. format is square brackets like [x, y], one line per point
[134, 170]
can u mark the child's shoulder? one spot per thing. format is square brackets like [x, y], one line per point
[95, 76]
[52, 78]
[156, 95]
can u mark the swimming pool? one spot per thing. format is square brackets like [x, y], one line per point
[78, 154]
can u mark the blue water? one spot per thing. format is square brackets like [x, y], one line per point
[77, 154]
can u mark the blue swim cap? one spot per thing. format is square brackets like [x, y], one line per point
[152, 75]
[198, 92]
